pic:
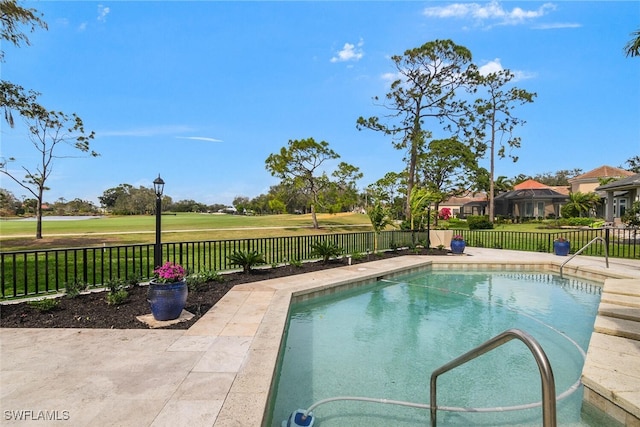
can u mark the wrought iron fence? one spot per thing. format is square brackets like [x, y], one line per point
[24, 273]
[621, 243]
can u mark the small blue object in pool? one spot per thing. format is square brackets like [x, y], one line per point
[299, 419]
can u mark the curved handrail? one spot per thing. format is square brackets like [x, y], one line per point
[546, 373]
[606, 253]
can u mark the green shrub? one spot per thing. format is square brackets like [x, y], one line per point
[133, 280]
[580, 222]
[117, 291]
[118, 297]
[356, 256]
[45, 305]
[246, 259]
[74, 287]
[479, 223]
[325, 250]
[296, 263]
[197, 281]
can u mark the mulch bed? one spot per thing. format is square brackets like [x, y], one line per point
[92, 311]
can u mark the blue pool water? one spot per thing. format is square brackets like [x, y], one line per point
[384, 340]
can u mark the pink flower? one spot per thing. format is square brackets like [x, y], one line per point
[169, 273]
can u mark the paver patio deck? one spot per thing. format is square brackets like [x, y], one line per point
[218, 373]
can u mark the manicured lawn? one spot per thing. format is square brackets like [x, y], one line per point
[113, 230]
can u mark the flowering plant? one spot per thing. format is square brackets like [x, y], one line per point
[561, 239]
[169, 273]
[458, 237]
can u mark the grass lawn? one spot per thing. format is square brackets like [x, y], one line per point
[114, 230]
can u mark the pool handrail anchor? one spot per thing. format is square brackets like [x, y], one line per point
[606, 252]
[546, 373]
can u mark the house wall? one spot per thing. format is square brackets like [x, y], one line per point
[585, 186]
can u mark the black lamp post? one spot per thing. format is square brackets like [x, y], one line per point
[158, 187]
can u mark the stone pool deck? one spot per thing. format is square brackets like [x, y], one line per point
[218, 373]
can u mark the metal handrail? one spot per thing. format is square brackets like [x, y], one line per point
[606, 253]
[546, 373]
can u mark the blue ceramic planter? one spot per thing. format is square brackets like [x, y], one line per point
[167, 300]
[561, 248]
[457, 246]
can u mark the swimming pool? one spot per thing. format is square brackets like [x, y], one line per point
[383, 340]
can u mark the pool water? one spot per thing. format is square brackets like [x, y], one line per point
[383, 341]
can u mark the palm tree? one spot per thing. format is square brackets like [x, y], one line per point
[380, 219]
[633, 47]
[581, 202]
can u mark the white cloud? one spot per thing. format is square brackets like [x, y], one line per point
[350, 52]
[82, 26]
[492, 11]
[200, 138]
[103, 11]
[556, 26]
[391, 77]
[495, 66]
[490, 67]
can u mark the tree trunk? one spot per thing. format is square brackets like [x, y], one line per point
[39, 217]
[491, 171]
[313, 216]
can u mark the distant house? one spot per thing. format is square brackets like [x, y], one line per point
[589, 181]
[465, 205]
[531, 199]
[619, 195]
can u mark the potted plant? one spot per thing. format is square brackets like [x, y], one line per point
[561, 246]
[458, 244]
[168, 291]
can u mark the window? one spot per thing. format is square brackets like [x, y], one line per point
[528, 209]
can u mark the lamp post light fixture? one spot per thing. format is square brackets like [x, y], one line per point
[158, 187]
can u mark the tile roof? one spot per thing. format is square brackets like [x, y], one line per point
[529, 184]
[603, 172]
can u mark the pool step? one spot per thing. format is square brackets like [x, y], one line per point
[620, 299]
[617, 327]
[619, 311]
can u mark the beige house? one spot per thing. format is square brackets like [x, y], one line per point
[589, 181]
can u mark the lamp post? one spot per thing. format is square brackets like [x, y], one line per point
[158, 187]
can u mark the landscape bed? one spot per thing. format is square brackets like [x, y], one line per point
[90, 310]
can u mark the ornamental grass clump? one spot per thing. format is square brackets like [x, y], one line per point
[169, 273]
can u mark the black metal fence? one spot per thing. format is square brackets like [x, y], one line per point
[25, 273]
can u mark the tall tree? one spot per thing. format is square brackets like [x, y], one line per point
[429, 78]
[495, 122]
[49, 132]
[447, 169]
[12, 18]
[300, 164]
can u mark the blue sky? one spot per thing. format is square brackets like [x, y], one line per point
[202, 92]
